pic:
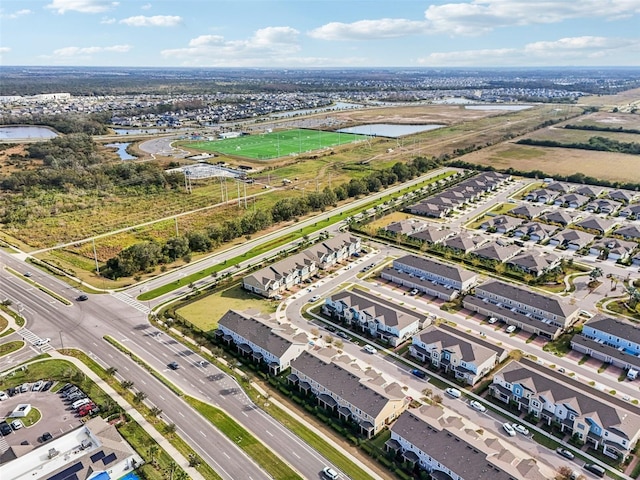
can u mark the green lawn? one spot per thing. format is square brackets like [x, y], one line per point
[277, 144]
[10, 347]
[205, 313]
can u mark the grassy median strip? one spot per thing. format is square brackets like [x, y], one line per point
[267, 460]
[10, 347]
[273, 465]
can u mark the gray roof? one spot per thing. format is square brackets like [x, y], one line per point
[597, 223]
[468, 351]
[590, 190]
[504, 221]
[574, 236]
[342, 383]
[333, 244]
[615, 326]
[407, 226]
[534, 260]
[448, 448]
[527, 297]
[255, 332]
[384, 312]
[464, 241]
[529, 211]
[431, 234]
[495, 251]
[606, 350]
[558, 216]
[573, 198]
[623, 421]
[281, 269]
[434, 267]
[624, 195]
[629, 231]
[560, 187]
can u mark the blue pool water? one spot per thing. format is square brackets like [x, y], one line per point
[130, 476]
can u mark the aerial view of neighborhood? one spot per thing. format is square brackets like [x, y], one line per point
[228, 253]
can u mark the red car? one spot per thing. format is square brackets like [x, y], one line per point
[86, 409]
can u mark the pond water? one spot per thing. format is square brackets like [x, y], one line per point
[121, 150]
[137, 131]
[17, 132]
[498, 107]
[389, 129]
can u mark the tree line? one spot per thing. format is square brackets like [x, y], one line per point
[601, 128]
[600, 144]
[145, 256]
[91, 124]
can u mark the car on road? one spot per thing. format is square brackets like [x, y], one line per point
[17, 424]
[453, 392]
[173, 365]
[330, 473]
[509, 429]
[511, 329]
[370, 349]
[341, 334]
[82, 298]
[561, 370]
[418, 373]
[315, 298]
[595, 469]
[46, 436]
[520, 429]
[5, 429]
[27, 274]
[565, 453]
[42, 342]
[477, 406]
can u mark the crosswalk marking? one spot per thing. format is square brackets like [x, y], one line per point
[28, 336]
[123, 297]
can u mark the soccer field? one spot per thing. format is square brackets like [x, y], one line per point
[277, 144]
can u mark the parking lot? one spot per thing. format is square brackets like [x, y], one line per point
[57, 418]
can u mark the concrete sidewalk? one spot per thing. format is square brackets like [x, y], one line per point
[150, 429]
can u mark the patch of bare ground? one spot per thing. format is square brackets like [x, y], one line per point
[561, 161]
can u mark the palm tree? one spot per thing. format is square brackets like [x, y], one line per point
[111, 371]
[126, 384]
[155, 411]
[139, 397]
[153, 449]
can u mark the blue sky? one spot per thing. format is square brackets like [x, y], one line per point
[320, 33]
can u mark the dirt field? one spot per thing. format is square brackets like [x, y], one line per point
[563, 161]
[610, 120]
[624, 101]
[567, 135]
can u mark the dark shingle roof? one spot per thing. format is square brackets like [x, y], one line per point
[615, 326]
[436, 268]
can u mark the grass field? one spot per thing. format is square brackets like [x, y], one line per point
[205, 313]
[277, 144]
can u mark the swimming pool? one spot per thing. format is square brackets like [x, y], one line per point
[130, 476]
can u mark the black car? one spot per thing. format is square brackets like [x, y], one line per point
[82, 298]
[46, 436]
[66, 387]
[173, 365]
[12, 391]
[47, 385]
[343, 335]
[5, 429]
[565, 453]
[329, 328]
[418, 373]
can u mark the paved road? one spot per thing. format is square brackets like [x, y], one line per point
[83, 325]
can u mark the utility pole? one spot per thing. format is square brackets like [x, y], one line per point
[176, 220]
[95, 256]
[238, 185]
[245, 196]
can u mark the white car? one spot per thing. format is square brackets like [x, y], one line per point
[3, 396]
[477, 406]
[453, 392]
[370, 349]
[37, 386]
[330, 473]
[315, 298]
[492, 320]
[509, 429]
[42, 342]
[520, 429]
[511, 329]
[17, 424]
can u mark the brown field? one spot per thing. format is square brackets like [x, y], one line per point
[609, 120]
[563, 161]
[566, 135]
[621, 100]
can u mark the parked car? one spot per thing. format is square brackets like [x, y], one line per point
[330, 473]
[520, 429]
[5, 429]
[413, 292]
[477, 406]
[70, 391]
[47, 385]
[565, 453]
[418, 373]
[66, 387]
[46, 436]
[511, 329]
[453, 392]
[370, 349]
[37, 386]
[561, 370]
[75, 396]
[509, 429]
[595, 469]
[81, 402]
[17, 424]
[329, 328]
[3, 396]
[492, 320]
[11, 391]
[341, 334]
[25, 387]
[173, 365]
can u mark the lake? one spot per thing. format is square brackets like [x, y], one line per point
[389, 129]
[121, 150]
[19, 132]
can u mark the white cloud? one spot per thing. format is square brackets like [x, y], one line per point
[108, 21]
[67, 52]
[155, 21]
[480, 16]
[4, 50]
[146, 6]
[571, 50]
[82, 6]
[369, 29]
[268, 46]
[16, 14]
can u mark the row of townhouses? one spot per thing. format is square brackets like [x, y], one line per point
[528, 310]
[595, 420]
[447, 450]
[280, 276]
